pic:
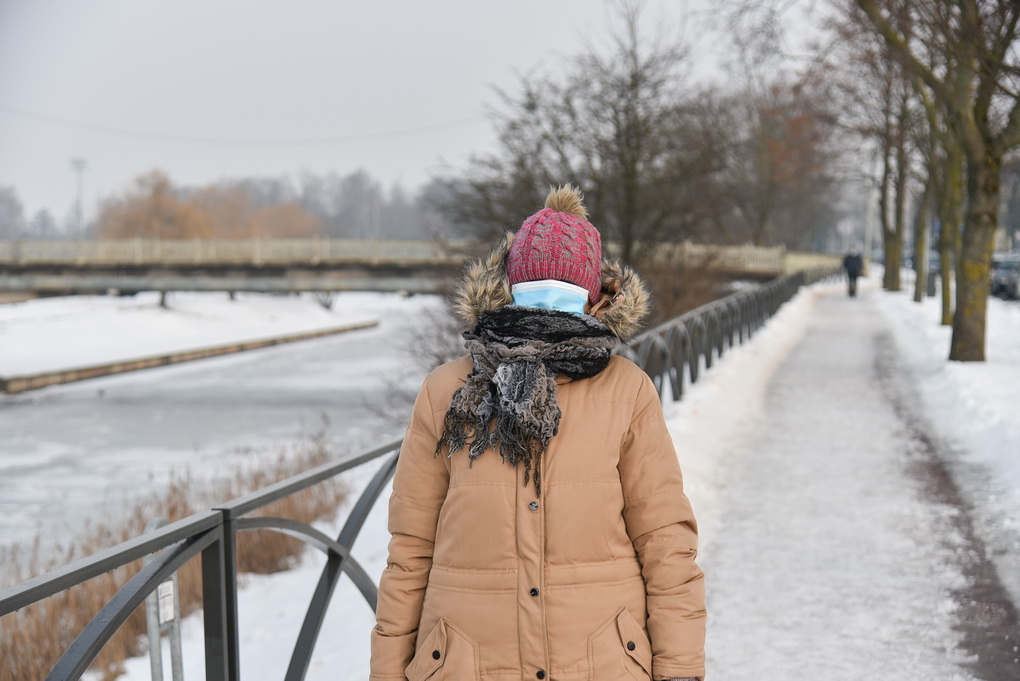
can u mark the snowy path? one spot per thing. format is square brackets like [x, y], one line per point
[829, 559]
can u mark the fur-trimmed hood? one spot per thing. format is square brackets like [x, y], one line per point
[485, 286]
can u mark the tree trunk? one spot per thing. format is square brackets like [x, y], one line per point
[951, 217]
[921, 229]
[945, 188]
[760, 229]
[894, 254]
[891, 278]
[947, 270]
[983, 187]
[892, 241]
[893, 257]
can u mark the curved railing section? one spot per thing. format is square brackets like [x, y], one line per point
[676, 351]
[213, 535]
[670, 352]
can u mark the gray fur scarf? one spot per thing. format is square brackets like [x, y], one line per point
[517, 353]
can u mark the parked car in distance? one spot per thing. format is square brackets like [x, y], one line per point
[1005, 275]
[1012, 284]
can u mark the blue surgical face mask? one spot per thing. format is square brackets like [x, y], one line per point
[551, 294]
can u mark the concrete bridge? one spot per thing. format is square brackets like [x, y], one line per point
[292, 265]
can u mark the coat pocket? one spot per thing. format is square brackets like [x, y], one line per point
[447, 653]
[619, 649]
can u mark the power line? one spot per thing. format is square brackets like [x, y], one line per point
[238, 142]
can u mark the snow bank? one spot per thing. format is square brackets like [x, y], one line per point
[975, 407]
[69, 332]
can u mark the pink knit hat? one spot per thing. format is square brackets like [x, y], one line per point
[558, 242]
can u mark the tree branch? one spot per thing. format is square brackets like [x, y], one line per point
[974, 39]
[899, 48]
[1010, 135]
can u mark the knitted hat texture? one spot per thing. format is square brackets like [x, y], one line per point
[558, 242]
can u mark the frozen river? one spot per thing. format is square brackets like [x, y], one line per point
[85, 450]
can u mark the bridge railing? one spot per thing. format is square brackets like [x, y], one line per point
[231, 251]
[684, 344]
[746, 258]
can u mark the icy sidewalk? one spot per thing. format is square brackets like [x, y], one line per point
[824, 558]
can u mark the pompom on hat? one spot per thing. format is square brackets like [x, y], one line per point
[559, 243]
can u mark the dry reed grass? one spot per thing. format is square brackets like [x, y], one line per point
[32, 639]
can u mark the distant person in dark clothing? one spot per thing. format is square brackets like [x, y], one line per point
[853, 263]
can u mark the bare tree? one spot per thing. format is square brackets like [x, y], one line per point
[348, 205]
[780, 160]
[896, 172]
[156, 208]
[440, 212]
[610, 124]
[1011, 196]
[153, 208]
[12, 215]
[944, 184]
[976, 81]
[876, 104]
[42, 225]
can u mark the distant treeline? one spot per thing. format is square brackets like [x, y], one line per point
[329, 205]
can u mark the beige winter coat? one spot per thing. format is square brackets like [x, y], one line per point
[594, 580]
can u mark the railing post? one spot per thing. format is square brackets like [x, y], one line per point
[309, 634]
[155, 639]
[230, 578]
[155, 621]
[219, 578]
[176, 655]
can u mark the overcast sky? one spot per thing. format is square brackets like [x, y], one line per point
[206, 89]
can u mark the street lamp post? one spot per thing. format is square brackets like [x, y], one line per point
[79, 165]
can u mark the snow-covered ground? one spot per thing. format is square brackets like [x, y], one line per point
[723, 424]
[87, 449]
[69, 332]
[975, 409]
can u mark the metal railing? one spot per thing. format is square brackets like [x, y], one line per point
[677, 349]
[665, 353]
[213, 535]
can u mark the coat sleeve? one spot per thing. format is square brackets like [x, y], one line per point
[419, 489]
[661, 525]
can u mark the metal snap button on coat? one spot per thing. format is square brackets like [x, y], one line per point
[533, 505]
[540, 674]
[534, 592]
[435, 654]
[630, 645]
